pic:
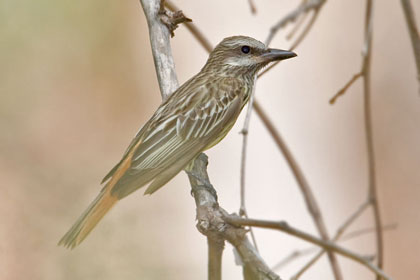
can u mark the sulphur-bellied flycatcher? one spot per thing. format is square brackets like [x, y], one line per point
[194, 118]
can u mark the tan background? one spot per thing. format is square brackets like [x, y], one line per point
[77, 81]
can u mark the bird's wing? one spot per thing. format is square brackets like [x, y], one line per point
[177, 138]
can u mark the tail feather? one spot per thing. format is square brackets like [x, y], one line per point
[88, 220]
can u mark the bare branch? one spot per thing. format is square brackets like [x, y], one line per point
[210, 222]
[414, 33]
[360, 232]
[193, 29]
[161, 48]
[345, 88]
[327, 245]
[293, 256]
[172, 19]
[242, 209]
[297, 42]
[244, 132]
[305, 7]
[337, 236]
[297, 26]
[372, 190]
[353, 234]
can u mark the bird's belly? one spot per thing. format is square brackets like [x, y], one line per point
[221, 135]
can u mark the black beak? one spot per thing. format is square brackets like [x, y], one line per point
[275, 54]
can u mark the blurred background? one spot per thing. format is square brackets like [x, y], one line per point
[77, 81]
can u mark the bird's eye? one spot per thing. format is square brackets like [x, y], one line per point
[245, 49]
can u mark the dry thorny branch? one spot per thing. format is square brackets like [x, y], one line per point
[214, 221]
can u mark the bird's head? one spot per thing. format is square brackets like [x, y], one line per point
[243, 55]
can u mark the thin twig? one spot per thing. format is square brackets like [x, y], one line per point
[296, 43]
[293, 256]
[414, 33]
[244, 133]
[327, 245]
[297, 26]
[346, 87]
[359, 232]
[337, 236]
[305, 31]
[372, 190]
[345, 237]
[245, 129]
[305, 7]
[192, 28]
[242, 209]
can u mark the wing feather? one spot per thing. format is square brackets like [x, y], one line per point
[170, 143]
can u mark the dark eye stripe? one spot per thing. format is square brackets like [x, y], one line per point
[245, 49]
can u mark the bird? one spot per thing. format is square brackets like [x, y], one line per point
[194, 118]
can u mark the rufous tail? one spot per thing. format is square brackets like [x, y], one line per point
[89, 219]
